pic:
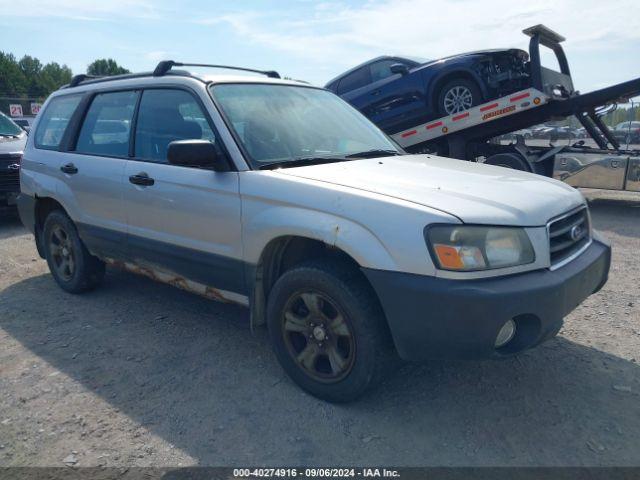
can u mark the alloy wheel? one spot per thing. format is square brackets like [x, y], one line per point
[318, 336]
[62, 253]
[458, 99]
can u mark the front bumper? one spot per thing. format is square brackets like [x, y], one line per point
[433, 317]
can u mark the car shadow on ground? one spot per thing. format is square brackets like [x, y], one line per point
[190, 371]
[10, 226]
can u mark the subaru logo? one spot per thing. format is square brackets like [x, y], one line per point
[575, 232]
[14, 167]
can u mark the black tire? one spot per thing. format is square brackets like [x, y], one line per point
[344, 292]
[508, 160]
[463, 85]
[62, 245]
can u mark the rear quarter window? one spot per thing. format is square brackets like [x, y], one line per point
[54, 121]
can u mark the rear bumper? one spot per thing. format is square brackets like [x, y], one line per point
[433, 317]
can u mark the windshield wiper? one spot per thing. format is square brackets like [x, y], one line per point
[374, 153]
[302, 161]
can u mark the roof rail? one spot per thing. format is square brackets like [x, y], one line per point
[78, 79]
[164, 66]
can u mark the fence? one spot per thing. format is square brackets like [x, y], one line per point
[14, 106]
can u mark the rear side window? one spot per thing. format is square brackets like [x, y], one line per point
[54, 120]
[106, 127]
[166, 115]
[357, 79]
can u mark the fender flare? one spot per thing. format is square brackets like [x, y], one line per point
[352, 238]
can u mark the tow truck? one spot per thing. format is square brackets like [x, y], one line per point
[470, 135]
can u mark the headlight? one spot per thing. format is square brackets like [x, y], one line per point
[468, 248]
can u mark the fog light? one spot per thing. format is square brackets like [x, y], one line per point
[506, 333]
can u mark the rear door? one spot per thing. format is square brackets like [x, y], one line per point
[92, 170]
[185, 220]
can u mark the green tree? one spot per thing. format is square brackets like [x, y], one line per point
[54, 75]
[12, 79]
[31, 68]
[26, 80]
[105, 67]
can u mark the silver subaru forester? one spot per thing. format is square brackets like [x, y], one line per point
[280, 196]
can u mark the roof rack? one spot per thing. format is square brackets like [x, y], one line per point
[78, 79]
[164, 66]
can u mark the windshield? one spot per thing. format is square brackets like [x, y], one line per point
[281, 123]
[418, 60]
[7, 127]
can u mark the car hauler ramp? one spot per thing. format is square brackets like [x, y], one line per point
[550, 97]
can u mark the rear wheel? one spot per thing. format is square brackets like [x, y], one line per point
[72, 266]
[457, 96]
[328, 331]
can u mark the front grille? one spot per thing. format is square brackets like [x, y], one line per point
[9, 177]
[568, 234]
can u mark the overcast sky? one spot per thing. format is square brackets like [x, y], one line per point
[315, 41]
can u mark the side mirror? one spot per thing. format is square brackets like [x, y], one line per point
[196, 153]
[399, 68]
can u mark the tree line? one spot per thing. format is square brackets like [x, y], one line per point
[29, 80]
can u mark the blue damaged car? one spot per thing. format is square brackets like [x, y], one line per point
[397, 93]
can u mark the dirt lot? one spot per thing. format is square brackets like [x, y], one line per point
[138, 373]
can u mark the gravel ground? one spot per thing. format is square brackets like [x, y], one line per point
[138, 373]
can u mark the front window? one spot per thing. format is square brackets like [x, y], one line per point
[8, 128]
[382, 69]
[281, 124]
[167, 115]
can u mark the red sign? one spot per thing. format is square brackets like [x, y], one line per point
[35, 108]
[15, 110]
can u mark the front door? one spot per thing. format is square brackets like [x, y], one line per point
[184, 221]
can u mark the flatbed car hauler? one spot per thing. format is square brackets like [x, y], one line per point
[468, 135]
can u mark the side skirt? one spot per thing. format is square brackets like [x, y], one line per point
[180, 282]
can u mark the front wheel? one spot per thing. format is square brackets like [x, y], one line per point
[457, 96]
[328, 331]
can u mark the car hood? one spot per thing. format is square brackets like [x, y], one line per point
[472, 192]
[513, 51]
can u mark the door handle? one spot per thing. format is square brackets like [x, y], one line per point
[142, 179]
[376, 92]
[69, 168]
